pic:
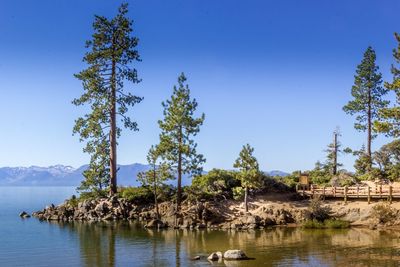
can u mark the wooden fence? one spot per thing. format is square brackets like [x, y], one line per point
[387, 192]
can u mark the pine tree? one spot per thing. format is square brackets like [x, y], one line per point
[367, 93]
[112, 53]
[178, 128]
[156, 176]
[390, 124]
[333, 150]
[249, 173]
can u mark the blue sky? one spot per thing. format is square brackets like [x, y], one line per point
[274, 74]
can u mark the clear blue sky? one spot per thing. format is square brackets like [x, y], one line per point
[274, 74]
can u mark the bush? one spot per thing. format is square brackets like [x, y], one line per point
[216, 184]
[383, 212]
[327, 224]
[138, 195]
[238, 193]
[316, 211]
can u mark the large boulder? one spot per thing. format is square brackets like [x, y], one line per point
[235, 254]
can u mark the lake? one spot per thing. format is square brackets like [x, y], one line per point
[29, 242]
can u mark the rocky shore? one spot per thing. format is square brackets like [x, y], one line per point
[264, 212]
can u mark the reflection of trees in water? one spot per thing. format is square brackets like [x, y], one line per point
[115, 243]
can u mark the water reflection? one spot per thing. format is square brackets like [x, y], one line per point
[128, 244]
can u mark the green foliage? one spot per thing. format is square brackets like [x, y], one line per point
[367, 93]
[327, 224]
[112, 52]
[178, 128]
[383, 212]
[157, 175]
[249, 173]
[215, 184]
[238, 192]
[320, 175]
[387, 158]
[390, 115]
[138, 195]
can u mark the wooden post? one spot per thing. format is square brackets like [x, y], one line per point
[380, 191]
[358, 191]
[304, 188]
[345, 194]
[369, 194]
[334, 191]
[297, 187]
[324, 192]
[312, 190]
[390, 194]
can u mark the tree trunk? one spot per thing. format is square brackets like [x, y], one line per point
[179, 192]
[335, 150]
[155, 192]
[113, 137]
[246, 191]
[369, 138]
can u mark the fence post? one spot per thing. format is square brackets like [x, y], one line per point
[334, 191]
[312, 190]
[358, 191]
[324, 192]
[369, 194]
[345, 194]
[390, 194]
[380, 191]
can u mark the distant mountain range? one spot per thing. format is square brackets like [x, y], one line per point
[60, 175]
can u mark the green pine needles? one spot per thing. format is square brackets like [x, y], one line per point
[112, 52]
[178, 128]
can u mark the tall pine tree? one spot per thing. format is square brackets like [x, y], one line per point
[178, 128]
[391, 115]
[110, 58]
[367, 93]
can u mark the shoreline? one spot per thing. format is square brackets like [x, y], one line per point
[269, 210]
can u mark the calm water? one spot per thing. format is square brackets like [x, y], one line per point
[33, 243]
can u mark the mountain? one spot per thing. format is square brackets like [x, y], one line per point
[277, 173]
[60, 175]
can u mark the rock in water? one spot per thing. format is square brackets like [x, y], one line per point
[213, 257]
[196, 258]
[235, 254]
[24, 215]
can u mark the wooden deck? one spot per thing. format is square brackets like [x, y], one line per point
[386, 192]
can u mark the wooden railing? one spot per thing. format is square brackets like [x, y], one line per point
[361, 192]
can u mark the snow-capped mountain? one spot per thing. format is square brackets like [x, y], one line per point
[60, 175]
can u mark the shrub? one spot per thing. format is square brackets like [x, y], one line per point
[138, 195]
[216, 184]
[316, 211]
[383, 212]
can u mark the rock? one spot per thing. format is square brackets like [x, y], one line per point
[24, 214]
[235, 254]
[195, 258]
[213, 257]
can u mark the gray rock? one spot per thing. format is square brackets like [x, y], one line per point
[235, 254]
